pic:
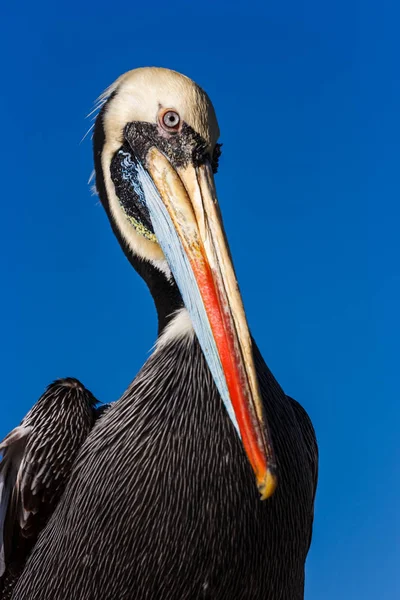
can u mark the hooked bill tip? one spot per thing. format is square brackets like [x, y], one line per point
[267, 485]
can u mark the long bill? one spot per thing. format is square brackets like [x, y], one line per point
[186, 220]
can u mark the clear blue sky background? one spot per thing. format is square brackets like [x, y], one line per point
[308, 99]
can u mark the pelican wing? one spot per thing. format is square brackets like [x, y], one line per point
[13, 448]
[37, 461]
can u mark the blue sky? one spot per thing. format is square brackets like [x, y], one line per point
[308, 103]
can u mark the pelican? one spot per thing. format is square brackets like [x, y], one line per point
[199, 482]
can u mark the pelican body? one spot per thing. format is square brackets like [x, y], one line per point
[200, 481]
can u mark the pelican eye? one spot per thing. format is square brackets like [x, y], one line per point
[170, 120]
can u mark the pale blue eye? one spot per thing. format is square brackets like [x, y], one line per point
[171, 119]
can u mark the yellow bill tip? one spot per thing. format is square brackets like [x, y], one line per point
[267, 485]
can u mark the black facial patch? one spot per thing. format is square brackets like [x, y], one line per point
[181, 148]
[128, 189]
[215, 158]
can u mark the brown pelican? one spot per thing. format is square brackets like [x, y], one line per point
[200, 481]
[37, 459]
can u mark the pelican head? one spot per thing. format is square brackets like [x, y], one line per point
[155, 152]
